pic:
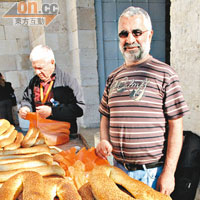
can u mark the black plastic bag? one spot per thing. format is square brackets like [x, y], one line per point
[187, 174]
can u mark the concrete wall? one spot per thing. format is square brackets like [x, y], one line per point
[185, 51]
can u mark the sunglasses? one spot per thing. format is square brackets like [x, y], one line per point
[135, 33]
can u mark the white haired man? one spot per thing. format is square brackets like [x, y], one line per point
[52, 93]
[142, 108]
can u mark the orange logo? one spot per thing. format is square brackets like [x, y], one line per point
[27, 13]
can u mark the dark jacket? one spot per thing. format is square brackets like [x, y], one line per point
[67, 93]
[6, 91]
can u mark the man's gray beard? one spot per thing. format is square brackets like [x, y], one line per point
[133, 56]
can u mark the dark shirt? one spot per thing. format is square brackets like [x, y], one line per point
[6, 91]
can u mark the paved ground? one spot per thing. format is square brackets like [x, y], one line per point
[88, 135]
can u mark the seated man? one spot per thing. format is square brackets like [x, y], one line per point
[52, 93]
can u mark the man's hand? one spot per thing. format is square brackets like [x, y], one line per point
[23, 111]
[44, 111]
[166, 183]
[104, 149]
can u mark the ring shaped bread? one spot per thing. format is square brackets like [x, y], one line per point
[30, 182]
[4, 125]
[61, 188]
[34, 187]
[30, 137]
[16, 144]
[103, 180]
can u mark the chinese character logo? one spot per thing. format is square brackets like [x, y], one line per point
[28, 13]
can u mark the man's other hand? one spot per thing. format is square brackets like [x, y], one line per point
[44, 111]
[104, 149]
[23, 111]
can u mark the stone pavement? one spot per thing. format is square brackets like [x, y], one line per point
[88, 136]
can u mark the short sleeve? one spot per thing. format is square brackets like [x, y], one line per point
[103, 107]
[174, 103]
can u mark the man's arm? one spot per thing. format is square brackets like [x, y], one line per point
[166, 181]
[104, 148]
[104, 128]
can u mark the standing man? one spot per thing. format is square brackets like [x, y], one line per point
[142, 108]
[52, 93]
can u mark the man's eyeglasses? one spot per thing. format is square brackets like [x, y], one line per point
[135, 33]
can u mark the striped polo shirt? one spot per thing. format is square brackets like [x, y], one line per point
[138, 101]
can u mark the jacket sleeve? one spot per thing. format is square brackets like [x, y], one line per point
[27, 97]
[68, 107]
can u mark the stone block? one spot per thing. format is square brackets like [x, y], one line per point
[23, 62]
[89, 76]
[52, 41]
[6, 5]
[8, 62]
[2, 33]
[12, 76]
[87, 39]
[23, 46]
[24, 77]
[88, 57]
[185, 56]
[13, 32]
[85, 3]
[36, 35]
[8, 47]
[63, 42]
[91, 95]
[62, 58]
[91, 117]
[89, 81]
[3, 10]
[73, 40]
[86, 18]
[75, 58]
[72, 20]
[58, 24]
[70, 4]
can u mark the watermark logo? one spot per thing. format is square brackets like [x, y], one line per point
[29, 14]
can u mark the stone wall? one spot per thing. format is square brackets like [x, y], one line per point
[83, 53]
[14, 52]
[71, 35]
[185, 51]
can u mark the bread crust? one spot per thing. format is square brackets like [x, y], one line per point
[7, 133]
[103, 180]
[4, 125]
[85, 192]
[29, 150]
[30, 137]
[30, 182]
[16, 144]
[61, 188]
[7, 141]
[35, 187]
[46, 170]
